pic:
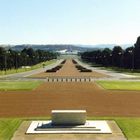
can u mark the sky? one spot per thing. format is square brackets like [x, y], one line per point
[69, 21]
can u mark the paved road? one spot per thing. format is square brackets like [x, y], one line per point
[113, 75]
[23, 75]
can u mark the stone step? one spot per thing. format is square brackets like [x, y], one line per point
[67, 129]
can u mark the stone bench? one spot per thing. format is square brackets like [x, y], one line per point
[68, 117]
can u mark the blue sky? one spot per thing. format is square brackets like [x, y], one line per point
[69, 21]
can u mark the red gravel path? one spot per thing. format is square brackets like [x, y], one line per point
[70, 95]
[89, 96]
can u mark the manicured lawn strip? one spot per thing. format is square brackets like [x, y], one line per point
[19, 85]
[8, 127]
[12, 71]
[121, 70]
[135, 72]
[41, 64]
[129, 126]
[120, 85]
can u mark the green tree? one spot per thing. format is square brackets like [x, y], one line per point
[117, 56]
[137, 54]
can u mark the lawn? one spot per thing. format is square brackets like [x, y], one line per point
[19, 85]
[28, 69]
[120, 85]
[8, 127]
[130, 126]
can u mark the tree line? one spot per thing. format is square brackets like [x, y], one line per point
[128, 58]
[27, 57]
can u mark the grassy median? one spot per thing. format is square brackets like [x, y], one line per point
[120, 85]
[19, 85]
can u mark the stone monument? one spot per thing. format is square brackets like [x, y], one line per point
[69, 121]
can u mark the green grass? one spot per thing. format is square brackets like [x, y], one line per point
[121, 70]
[129, 126]
[27, 69]
[19, 85]
[120, 85]
[135, 72]
[8, 127]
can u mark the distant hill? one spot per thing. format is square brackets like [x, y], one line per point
[54, 47]
[99, 46]
[102, 46]
[78, 48]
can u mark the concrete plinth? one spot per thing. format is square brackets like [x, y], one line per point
[90, 127]
[116, 134]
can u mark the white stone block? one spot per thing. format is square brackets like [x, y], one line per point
[68, 117]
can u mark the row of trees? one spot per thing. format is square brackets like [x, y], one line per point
[117, 57]
[27, 57]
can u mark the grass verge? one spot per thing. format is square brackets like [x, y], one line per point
[8, 127]
[19, 85]
[129, 126]
[12, 71]
[135, 72]
[121, 70]
[120, 85]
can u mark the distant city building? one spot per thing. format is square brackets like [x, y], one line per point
[68, 52]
